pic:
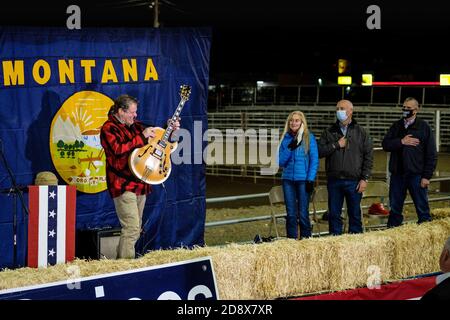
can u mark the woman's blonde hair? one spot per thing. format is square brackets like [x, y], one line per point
[305, 138]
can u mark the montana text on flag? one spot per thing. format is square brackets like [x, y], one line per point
[51, 225]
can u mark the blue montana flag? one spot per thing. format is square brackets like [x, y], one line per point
[57, 86]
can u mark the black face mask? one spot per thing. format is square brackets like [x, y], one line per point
[407, 113]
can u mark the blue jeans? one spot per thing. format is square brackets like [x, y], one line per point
[397, 194]
[297, 208]
[338, 189]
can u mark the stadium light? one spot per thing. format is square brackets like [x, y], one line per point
[367, 79]
[344, 80]
[444, 79]
[343, 66]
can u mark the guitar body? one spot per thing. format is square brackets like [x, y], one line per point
[151, 163]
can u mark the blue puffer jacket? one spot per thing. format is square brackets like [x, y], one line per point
[297, 165]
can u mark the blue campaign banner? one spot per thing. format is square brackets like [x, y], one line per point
[56, 87]
[187, 280]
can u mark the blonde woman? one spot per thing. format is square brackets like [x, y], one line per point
[299, 158]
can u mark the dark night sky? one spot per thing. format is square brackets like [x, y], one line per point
[289, 37]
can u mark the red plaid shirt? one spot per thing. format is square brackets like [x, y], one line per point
[118, 141]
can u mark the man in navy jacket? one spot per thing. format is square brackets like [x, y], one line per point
[413, 160]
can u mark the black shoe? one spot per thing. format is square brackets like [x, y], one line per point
[257, 239]
[268, 239]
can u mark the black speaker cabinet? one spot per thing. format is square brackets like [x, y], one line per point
[97, 243]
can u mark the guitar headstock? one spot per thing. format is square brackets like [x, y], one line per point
[185, 91]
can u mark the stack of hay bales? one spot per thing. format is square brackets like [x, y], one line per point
[286, 267]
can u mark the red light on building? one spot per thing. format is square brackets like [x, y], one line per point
[406, 83]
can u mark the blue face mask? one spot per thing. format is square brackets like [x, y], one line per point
[341, 115]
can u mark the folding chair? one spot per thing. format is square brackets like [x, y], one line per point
[377, 189]
[320, 195]
[276, 196]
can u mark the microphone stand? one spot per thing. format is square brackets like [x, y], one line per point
[14, 190]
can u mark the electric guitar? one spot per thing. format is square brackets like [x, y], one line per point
[151, 163]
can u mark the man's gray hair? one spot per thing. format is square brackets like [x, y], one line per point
[347, 102]
[413, 99]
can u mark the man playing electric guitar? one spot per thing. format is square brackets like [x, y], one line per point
[120, 135]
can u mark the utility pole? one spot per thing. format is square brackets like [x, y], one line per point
[156, 14]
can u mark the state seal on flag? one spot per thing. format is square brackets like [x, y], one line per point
[75, 146]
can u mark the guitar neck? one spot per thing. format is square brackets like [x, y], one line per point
[175, 116]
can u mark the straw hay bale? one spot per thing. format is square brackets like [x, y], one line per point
[440, 213]
[417, 247]
[292, 268]
[289, 267]
[30, 276]
[357, 258]
[234, 267]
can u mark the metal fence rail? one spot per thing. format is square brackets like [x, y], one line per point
[268, 217]
[377, 120]
[222, 96]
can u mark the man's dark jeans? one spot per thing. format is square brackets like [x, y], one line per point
[338, 189]
[397, 194]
